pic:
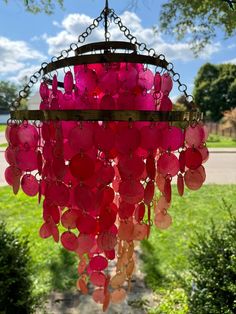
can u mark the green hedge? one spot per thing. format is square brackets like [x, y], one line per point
[213, 268]
[15, 281]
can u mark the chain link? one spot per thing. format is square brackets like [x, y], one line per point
[151, 52]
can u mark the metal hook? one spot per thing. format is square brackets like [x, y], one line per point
[106, 14]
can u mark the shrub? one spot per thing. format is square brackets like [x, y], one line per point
[214, 138]
[213, 268]
[15, 281]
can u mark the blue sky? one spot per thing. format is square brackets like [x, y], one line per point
[27, 40]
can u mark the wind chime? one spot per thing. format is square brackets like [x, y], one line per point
[103, 141]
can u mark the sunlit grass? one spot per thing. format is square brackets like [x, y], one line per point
[53, 267]
[166, 252]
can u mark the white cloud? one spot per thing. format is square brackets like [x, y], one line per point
[14, 54]
[231, 46]
[74, 24]
[233, 61]
[55, 23]
[27, 71]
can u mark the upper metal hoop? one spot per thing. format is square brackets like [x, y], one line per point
[104, 58]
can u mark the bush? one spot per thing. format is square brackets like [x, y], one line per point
[213, 138]
[15, 281]
[213, 267]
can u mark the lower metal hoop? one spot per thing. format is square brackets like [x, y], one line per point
[106, 115]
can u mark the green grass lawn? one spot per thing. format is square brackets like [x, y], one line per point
[2, 127]
[53, 267]
[165, 254]
[217, 141]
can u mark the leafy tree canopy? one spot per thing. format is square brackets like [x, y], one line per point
[215, 89]
[197, 20]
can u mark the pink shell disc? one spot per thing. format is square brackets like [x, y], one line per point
[126, 210]
[172, 138]
[84, 198]
[194, 179]
[150, 137]
[29, 185]
[69, 218]
[69, 241]
[58, 194]
[128, 78]
[26, 160]
[145, 79]
[104, 138]
[107, 217]
[12, 134]
[193, 158]
[10, 155]
[98, 263]
[127, 140]
[131, 167]
[28, 135]
[86, 224]
[81, 137]
[86, 80]
[165, 103]
[167, 84]
[168, 164]
[125, 231]
[98, 279]
[107, 103]
[99, 296]
[106, 241]
[85, 243]
[108, 82]
[157, 82]
[195, 135]
[11, 173]
[51, 212]
[82, 167]
[131, 191]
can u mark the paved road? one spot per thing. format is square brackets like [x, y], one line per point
[220, 168]
[2, 138]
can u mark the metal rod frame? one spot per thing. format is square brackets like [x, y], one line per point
[106, 115]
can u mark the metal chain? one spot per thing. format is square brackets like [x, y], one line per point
[81, 39]
[64, 54]
[151, 52]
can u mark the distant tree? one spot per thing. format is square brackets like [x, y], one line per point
[215, 89]
[8, 93]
